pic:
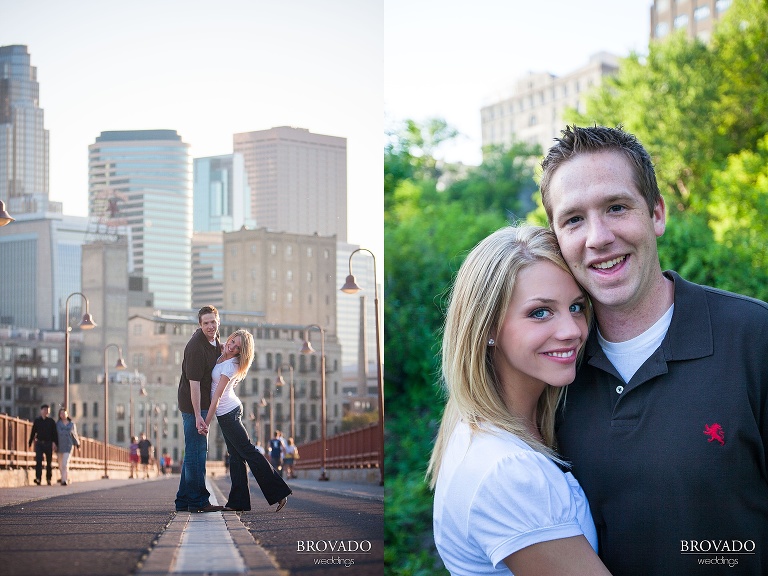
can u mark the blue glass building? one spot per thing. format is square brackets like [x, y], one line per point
[143, 179]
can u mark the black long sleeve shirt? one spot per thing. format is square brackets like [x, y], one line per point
[45, 430]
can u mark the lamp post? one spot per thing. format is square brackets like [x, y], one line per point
[351, 287]
[120, 365]
[281, 382]
[86, 323]
[5, 218]
[142, 392]
[306, 348]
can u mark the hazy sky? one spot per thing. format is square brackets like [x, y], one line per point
[208, 70]
[448, 58]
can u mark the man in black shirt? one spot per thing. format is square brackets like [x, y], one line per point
[45, 437]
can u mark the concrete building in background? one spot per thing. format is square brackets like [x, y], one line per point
[533, 111]
[24, 176]
[143, 179]
[697, 18]
[298, 180]
[207, 269]
[290, 278]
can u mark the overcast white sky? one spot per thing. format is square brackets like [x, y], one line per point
[208, 70]
[448, 58]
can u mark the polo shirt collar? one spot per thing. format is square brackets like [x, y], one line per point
[690, 331]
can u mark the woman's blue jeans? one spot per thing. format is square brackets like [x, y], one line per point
[242, 451]
[192, 490]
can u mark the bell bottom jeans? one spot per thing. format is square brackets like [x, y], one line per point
[242, 452]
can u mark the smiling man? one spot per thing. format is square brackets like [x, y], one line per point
[194, 397]
[670, 362]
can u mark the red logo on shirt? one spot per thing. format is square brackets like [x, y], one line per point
[715, 432]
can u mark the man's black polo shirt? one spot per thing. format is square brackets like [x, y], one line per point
[674, 464]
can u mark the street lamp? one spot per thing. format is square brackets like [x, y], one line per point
[86, 323]
[306, 348]
[142, 392]
[5, 218]
[281, 382]
[120, 365]
[351, 287]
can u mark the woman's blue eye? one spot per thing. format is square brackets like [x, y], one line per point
[577, 308]
[539, 313]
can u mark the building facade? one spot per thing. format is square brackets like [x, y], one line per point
[222, 197]
[298, 180]
[23, 137]
[44, 252]
[289, 278]
[696, 17]
[142, 178]
[533, 113]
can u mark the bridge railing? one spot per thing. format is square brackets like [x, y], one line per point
[354, 449]
[15, 451]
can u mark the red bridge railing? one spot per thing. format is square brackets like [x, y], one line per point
[354, 449]
[15, 451]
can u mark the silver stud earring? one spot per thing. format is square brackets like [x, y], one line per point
[491, 342]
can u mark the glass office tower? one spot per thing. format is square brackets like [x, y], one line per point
[23, 138]
[143, 178]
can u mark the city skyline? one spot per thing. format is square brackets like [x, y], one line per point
[208, 74]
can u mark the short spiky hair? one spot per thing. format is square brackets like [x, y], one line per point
[592, 139]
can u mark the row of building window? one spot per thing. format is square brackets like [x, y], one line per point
[273, 250]
[45, 355]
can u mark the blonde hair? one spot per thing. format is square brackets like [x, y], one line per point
[245, 358]
[479, 301]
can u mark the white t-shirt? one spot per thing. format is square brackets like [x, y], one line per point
[496, 495]
[229, 400]
[628, 356]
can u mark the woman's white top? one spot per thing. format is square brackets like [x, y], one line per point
[229, 400]
[496, 495]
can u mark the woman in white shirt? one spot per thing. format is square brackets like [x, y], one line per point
[504, 501]
[231, 367]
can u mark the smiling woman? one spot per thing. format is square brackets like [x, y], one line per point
[515, 326]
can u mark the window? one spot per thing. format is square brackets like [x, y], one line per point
[722, 5]
[54, 355]
[289, 297]
[85, 409]
[84, 429]
[120, 412]
[309, 252]
[273, 249]
[289, 275]
[95, 409]
[121, 434]
[96, 431]
[309, 276]
[701, 13]
[44, 356]
[289, 250]
[681, 21]
[662, 29]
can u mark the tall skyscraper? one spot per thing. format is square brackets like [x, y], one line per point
[23, 137]
[298, 180]
[144, 178]
[222, 198]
